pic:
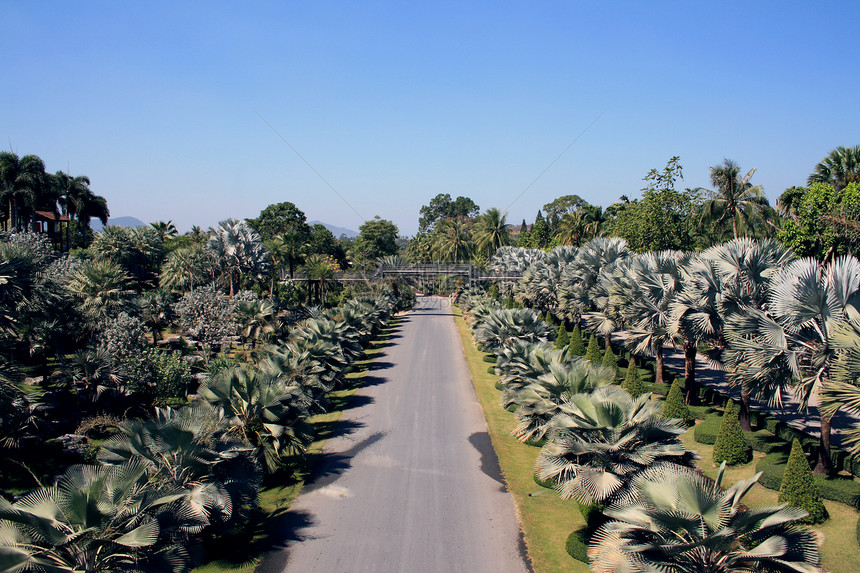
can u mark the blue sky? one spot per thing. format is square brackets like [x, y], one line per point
[394, 102]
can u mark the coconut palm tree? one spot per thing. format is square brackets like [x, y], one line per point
[677, 520]
[453, 242]
[600, 441]
[187, 267]
[733, 197]
[840, 168]
[96, 518]
[578, 226]
[23, 184]
[319, 270]
[491, 231]
[290, 248]
[787, 346]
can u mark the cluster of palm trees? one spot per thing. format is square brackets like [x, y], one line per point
[764, 316]
[163, 481]
[605, 449]
[26, 187]
[460, 239]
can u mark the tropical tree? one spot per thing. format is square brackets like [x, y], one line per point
[165, 229]
[23, 182]
[787, 346]
[453, 241]
[290, 248]
[599, 442]
[840, 168]
[319, 270]
[491, 231]
[255, 318]
[156, 311]
[734, 197]
[102, 289]
[676, 519]
[239, 251]
[96, 518]
[187, 267]
[263, 411]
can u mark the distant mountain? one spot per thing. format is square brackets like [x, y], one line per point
[96, 225]
[336, 231]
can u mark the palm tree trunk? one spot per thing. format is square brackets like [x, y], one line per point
[744, 412]
[824, 466]
[658, 369]
[690, 384]
[735, 224]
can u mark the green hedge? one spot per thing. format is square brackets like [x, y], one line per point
[499, 385]
[577, 545]
[700, 412]
[491, 370]
[491, 358]
[843, 490]
[764, 441]
[661, 389]
[549, 484]
[706, 431]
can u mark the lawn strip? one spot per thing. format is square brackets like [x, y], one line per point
[546, 519]
[275, 499]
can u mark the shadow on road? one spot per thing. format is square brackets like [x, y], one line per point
[489, 462]
[334, 428]
[283, 530]
[373, 380]
[332, 465]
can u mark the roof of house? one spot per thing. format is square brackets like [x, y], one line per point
[49, 216]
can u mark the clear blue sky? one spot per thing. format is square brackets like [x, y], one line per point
[394, 102]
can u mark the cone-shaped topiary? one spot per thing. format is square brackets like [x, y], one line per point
[561, 338]
[798, 488]
[509, 303]
[730, 445]
[592, 353]
[609, 359]
[674, 406]
[547, 318]
[577, 346]
[633, 382]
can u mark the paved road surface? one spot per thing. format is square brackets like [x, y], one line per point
[413, 484]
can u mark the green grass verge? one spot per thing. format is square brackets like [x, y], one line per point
[243, 554]
[547, 521]
[840, 552]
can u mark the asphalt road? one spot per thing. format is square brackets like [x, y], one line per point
[412, 484]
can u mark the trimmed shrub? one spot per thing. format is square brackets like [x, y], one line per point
[675, 407]
[593, 515]
[843, 490]
[706, 432]
[561, 338]
[700, 412]
[772, 466]
[491, 358]
[730, 445]
[577, 545]
[633, 382]
[491, 370]
[798, 487]
[577, 347]
[499, 385]
[764, 441]
[592, 353]
[549, 484]
[610, 360]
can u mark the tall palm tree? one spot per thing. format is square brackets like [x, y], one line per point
[320, 272]
[72, 193]
[491, 231]
[165, 229]
[676, 519]
[453, 243]
[23, 182]
[839, 168]
[187, 267]
[733, 197]
[239, 251]
[576, 227]
[842, 390]
[787, 346]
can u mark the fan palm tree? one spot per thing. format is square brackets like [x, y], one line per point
[787, 346]
[239, 250]
[677, 520]
[256, 319]
[262, 411]
[600, 441]
[101, 287]
[733, 197]
[840, 168]
[165, 229]
[504, 326]
[190, 449]
[491, 231]
[187, 267]
[96, 518]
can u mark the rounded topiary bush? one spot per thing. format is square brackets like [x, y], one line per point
[675, 407]
[632, 381]
[577, 545]
[798, 487]
[731, 447]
